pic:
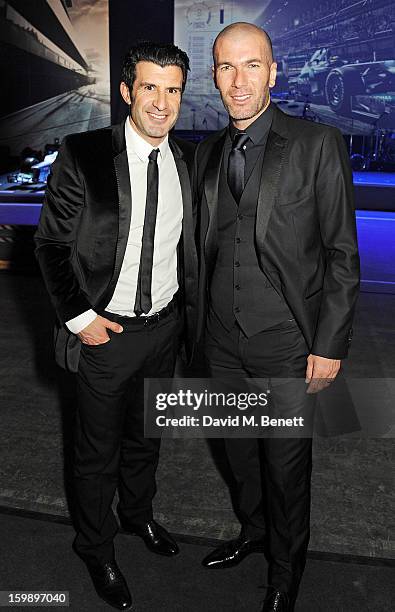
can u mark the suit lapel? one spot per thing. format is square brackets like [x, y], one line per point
[211, 181]
[121, 165]
[271, 170]
[189, 255]
[121, 168]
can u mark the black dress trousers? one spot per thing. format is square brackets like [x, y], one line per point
[110, 448]
[272, 474]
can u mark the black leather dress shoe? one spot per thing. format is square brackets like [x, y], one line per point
[276, 601]
[233, 552]
[156, 538]
[110, 585]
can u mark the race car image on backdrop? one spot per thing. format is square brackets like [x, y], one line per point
[335, 60]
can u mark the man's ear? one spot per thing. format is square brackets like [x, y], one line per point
[125, 93]
[273, 74]
[213, 72]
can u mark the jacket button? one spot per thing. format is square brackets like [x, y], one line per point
[237, 287]
[237, 264]
[237, 309]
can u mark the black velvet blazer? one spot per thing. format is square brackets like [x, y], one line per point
[84, 227]
[305, 232]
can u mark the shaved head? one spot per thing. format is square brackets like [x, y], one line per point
[242, 28]
[244, 71]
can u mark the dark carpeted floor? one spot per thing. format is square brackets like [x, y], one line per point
[37, 555]
[351, 492]
[352, 483]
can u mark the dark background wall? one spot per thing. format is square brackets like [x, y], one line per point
[37, 75]
[131, 22]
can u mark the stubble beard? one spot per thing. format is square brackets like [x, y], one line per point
[246, 114]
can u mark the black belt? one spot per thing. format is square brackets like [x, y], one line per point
[142, 320]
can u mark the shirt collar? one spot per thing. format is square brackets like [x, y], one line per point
[259, 129]
[142, 148]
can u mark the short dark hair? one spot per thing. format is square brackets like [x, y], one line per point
[162, 54]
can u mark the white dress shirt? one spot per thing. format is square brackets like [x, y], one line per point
[167, 232]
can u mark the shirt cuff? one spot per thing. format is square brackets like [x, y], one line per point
[81, 321]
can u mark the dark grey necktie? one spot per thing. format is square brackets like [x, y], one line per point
[143, 303]
[236, 165]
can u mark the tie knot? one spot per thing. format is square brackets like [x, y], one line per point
[240, 140]
[153, 156]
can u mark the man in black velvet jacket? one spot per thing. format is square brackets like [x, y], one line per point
[116, 248]
[280, 276]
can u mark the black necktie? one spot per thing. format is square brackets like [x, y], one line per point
[236, 165]
[143, 303]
